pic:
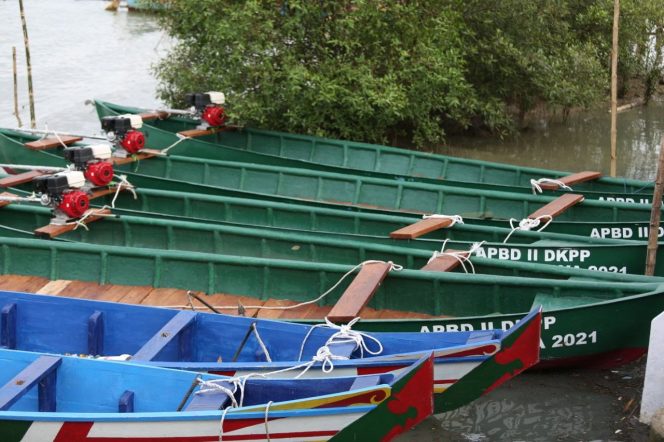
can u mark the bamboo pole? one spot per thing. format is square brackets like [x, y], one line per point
[614, 86]
[18, 117]
[26, 41]
[655, 214]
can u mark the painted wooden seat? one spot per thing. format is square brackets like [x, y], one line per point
[445, 262]
[359, 292]
[365, 382]
[156, 115]
[178, 327]
[213, 400]
[572, 179]
[43, 372]
[52, 142]
[21, 178]
[421, 227]
[557, 206]
[55, 230]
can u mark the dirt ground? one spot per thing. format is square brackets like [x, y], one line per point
[569, 405]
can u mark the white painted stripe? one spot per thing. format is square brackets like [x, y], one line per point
[42, 431]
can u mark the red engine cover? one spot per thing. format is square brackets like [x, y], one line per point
[214, 115]
[133, 141]
[74, 203]
[99, 174]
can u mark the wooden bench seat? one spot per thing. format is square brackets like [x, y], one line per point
[42, 371]
[445, 263]
[20, 178]
[557, 206]
[155, 115]
[144, 154]
[421, 227]
[175, 328]
[572, 179]
[55, 230]
[52, 142]
[213, 400]
[365, 382]
[359, 292]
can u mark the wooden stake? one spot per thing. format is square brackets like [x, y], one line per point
[18, 117]
[655, 214]
[31, 96]
[614, 86]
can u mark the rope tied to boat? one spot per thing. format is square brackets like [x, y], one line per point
[344, 335]
[181, 138]
[456, 219]
[393, 267]
[123, 183]
[97, 212]
[462, 256]
[535, 184]
[527, 224]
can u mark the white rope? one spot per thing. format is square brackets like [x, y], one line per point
[461, 256]
[221, 424]
[261, 343]
[19, 199]
[344, 335]
[528, 224]
[535, 184]
[267, 428]
[180, 140]
[393, 266]
[81, 221]
[59, 139]
[454, 218]
[123, 184]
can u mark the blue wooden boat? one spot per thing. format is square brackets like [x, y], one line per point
[58, 398]
[464, 362]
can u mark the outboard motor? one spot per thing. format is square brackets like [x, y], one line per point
[91, 160]
[62, 192]
[122, 131]
[208, 107]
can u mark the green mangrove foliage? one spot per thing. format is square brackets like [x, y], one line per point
[375, 70]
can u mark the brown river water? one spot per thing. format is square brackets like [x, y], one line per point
[80, 51]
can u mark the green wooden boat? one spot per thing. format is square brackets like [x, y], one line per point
[274, 243]
[270, 147]
[579, 324]
[328, 189]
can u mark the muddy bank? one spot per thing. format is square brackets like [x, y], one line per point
[569, 405]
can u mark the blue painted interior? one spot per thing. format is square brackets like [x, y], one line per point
[94, 386]
[63, 325]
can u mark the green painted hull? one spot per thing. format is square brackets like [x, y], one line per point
[587, 319]
[272, 243]
[266, 147]
[320, 188]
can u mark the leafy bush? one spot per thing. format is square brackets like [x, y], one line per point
[379, 69]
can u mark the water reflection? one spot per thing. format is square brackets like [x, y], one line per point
[79, 51]
[583, 143]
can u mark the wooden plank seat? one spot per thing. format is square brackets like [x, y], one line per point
[421, 227]
[572, 179]
[177, 327]
[52, 142]
[5, 203]
[55, 230]
[20, 178]
[213, 400]
[445, 263]
[144, 154]
[154, 115]
[43, 372]
[557, 206]
[359, 292]
[194, 133]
